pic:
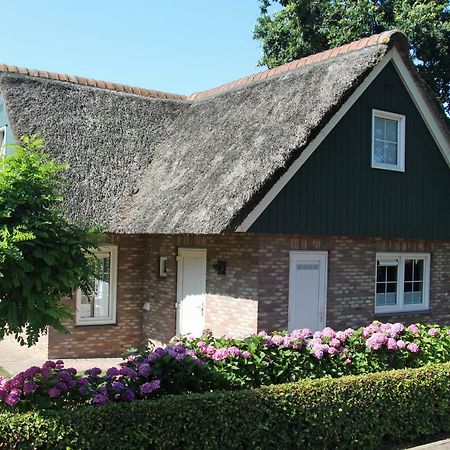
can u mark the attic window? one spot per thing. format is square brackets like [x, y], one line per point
[388, 141]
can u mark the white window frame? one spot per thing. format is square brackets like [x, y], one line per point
[3, 142]
[111, 319]
[401, 120]
[400, 307]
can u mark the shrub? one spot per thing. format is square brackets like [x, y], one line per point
[204, 364]
[350, 412]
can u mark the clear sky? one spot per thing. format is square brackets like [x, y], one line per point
[179, 46]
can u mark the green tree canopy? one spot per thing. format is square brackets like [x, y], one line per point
[43, 257]
[305, 27]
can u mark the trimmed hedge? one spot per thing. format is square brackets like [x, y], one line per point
[349, 412]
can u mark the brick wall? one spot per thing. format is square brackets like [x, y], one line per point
[253, 295]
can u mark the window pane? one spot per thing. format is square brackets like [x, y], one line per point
[379, 128]
[391, 287]
[418, 269]
[408, 270]
[97, 303]
[392, 273]
[381, 273]
[381, 287]
[408, 287]
[391, 153]
[380, 299]
[391, 299]
[391, 130]
[378, 155]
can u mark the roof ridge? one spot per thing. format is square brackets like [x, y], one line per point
[387, 38]
[90, 82]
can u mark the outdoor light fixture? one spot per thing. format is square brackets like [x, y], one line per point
[220, 267]
[162, 266]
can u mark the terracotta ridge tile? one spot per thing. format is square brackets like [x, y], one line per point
[385, 38]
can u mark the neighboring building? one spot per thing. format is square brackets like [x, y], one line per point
[313, 194]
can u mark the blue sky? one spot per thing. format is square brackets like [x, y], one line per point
[178, 46]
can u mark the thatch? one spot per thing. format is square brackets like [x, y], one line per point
[148, 165]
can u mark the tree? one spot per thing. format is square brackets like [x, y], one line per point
[43, 257]
[305, 27]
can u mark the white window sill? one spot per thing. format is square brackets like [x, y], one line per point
[91, 323]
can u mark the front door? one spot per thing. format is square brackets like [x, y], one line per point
[307, 290]
[191, 291]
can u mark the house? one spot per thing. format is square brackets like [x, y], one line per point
[316, 193]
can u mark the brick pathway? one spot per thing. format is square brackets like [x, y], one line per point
[15, 358]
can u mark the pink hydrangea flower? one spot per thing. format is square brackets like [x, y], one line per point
[413, 348]
[278, 340]
[336, 343]
[245, 354]
[433, 331]
[376, 341]
[392, 344]
[401, 344]
[328, 332]
[413, 328]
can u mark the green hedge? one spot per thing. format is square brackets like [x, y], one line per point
[349, 412]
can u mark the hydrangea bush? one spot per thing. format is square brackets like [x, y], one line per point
[208, 363]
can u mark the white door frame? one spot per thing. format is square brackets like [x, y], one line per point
[182, 251]
[323, 281]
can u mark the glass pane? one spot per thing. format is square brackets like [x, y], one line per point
[380, 299]
[391, 130]
[381, 273]
[408, 287]
[392, 273]
[378, 154]
[379, 128]
[408, 270]
[381, 287]
[391, 299]
[417, 297]
[417, 286]
[391, 287]
[391, 153]
[418, 269]
[96, 304]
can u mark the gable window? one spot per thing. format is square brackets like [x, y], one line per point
[99, 306]
[388, 141]
[402, 282]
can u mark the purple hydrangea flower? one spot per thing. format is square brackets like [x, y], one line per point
[99, 399]
[128, 372]
[83, 381]
[148, 388]
[112, 372]
[118, 386]
[53, 392]
[49, 365]
[94, 372]
[29, 387]
[210, 350]
[144, 370]
[245, 354]
[13, 397]
[201, 344]
[83, 390]
[61, 386]
[128, 395]
[64, 376]
[433, 331]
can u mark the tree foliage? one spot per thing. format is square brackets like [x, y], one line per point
[305, 27]
[43, 257]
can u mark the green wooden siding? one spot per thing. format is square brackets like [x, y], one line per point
[336, 192]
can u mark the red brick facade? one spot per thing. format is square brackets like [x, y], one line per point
[253, 294]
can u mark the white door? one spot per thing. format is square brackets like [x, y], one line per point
[307, 290]
[191, 291]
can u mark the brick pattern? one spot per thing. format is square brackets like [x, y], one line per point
[254, 292]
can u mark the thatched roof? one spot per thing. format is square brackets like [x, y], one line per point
[150, 162]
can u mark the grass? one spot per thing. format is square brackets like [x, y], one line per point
[4, 373]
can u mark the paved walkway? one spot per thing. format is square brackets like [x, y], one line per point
[15, 358]
[438, 445]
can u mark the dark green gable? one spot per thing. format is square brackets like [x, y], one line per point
[336, 192]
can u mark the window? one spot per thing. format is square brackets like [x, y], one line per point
[402, 282]
[2, 142]
[388, 141]
[99, 307]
